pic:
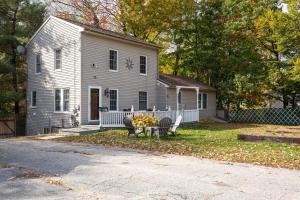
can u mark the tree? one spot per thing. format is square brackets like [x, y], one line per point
[19, 20]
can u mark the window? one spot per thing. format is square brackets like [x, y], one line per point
[33, 99]
[143, 65]
[38, 64]
[57, 59]
[113, 100]
[142, 100]
[179, 97]
[202, 101]
[113, 60]
[62, 100]
[66, 100]
[57, 100]
[204, 105]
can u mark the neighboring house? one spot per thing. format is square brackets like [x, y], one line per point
[76, 66]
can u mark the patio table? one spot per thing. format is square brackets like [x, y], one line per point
[153, 130]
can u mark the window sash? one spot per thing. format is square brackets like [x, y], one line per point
[113, 60]
[58, 59]
[204, 104]
[66, 99]
[143, 101]
[62, 100]
[202, 100]
[38, 66]
[113, 100]
[57, 100]
[143, 65]
[33, 99]
[179, 97]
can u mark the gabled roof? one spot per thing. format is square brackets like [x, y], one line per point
[114, 34]
[173, 81]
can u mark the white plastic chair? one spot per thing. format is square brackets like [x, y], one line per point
[177, 123]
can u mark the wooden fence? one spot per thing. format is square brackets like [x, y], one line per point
[7, 127]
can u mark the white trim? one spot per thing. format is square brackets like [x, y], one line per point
[164, 84]
[31, 106]
[201, 94]
[36, 54]
[61, 52]
[61, 101]
[187, 87]
[143, 74]
[113, 70]
[89, 101]
[117, 100]
[46, 21]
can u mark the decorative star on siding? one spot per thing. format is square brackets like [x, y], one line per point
[129, 63]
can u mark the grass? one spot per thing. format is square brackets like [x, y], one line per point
[212, 141]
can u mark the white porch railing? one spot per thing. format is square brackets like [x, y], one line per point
[115, 119]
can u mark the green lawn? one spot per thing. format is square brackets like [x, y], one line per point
[212, 141]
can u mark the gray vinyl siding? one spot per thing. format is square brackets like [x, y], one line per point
[189, 100]
[95, 50]
[55, 34]
[161, 97]
[211, 110]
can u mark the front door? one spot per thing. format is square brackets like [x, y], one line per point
[94, 104]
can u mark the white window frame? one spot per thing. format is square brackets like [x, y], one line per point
[143, 74]
[117, 100]
[147, 99]
[61, 52]
[201, 105]
[61, 102]
[113, 70]
[31, 99]
[36, 56]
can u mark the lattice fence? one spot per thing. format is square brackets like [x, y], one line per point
[283, 116]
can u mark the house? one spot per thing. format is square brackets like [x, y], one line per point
[76, 68]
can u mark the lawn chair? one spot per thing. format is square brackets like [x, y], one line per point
[177, 123]
[164, 126]
[131, 129]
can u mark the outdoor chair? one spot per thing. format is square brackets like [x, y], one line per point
[131, 129]
[164, 126]
[177, 123]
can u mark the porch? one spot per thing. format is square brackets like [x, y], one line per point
[115, 119]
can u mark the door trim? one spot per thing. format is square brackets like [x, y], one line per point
[89, 101]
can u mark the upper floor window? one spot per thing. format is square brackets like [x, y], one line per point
[143, 65]
[33, 99]
[113, 100]
[38, 63]
[113, 60]
[57, 59]
[62, 100]
[143, 100]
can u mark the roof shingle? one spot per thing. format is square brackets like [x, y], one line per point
[111, 33]
[173, 81]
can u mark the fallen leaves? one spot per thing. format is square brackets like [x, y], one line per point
[212, 141]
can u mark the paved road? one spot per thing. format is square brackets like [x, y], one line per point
[49, 170]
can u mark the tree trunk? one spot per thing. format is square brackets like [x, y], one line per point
[285, 101]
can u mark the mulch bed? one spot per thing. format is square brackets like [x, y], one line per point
[247, 137]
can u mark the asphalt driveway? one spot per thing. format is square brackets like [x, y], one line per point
[48, 170]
